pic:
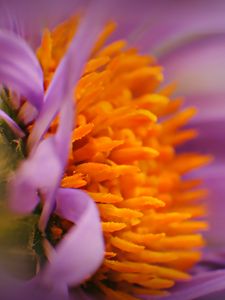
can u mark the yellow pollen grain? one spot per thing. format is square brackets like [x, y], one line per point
[123, 155]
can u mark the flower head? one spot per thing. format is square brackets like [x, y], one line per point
[123, 154]
[119, 145]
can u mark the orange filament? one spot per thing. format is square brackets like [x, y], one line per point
[123, 155]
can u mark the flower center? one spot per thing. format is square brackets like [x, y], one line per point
[123, 154]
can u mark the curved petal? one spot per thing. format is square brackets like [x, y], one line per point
[53, 152]
[27, 113]
[12, 124]
[151, 24]
[41, 171]
[82, 249]
[72, 261]
[20, 69]
[70, 68]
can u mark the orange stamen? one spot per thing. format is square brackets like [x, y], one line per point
[123, 155]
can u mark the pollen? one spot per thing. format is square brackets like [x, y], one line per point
[123, 154]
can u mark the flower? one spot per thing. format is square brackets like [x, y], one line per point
[101, 146]
[117, 126]
[30, 177]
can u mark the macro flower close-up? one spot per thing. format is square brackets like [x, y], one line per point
[112, 144]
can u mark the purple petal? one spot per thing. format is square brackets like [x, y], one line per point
[27, 18]
[41, 171]
[199, 286]
[152, 24]
[73, 261]
[9, 19]
[214, 296]
[211, 141]
[157, 24]
[63, 135]
[81, 251]
[199, 69]
[214, 177]
[31, 175]
[19, 68]
[70, 68]
[12, 124]
[215, 182]
[27, 113]
[212, 259]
